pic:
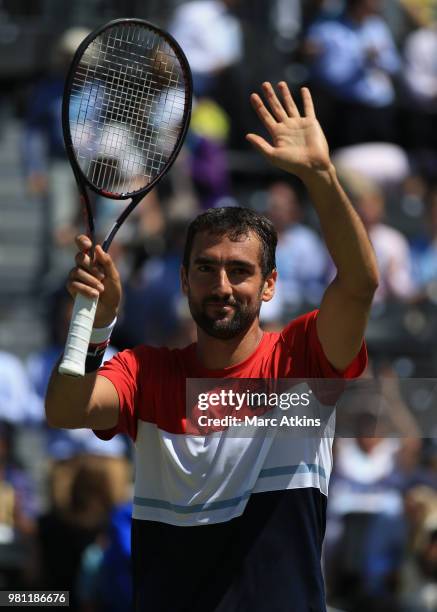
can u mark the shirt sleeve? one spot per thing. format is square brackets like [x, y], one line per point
[123, 371]
[301, 338]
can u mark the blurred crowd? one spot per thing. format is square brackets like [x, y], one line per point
[372, 68]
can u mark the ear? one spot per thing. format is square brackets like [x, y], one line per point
[269, 287]
[184, 280]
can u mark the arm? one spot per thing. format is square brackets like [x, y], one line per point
[299, 147]
[89, 401]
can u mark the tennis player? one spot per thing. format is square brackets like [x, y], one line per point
[219, 522]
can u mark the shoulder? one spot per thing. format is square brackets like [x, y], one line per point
[302, 324]
[297, 340]
[297, 335]
[301, 339]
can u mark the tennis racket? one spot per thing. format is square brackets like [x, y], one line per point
[126, 110]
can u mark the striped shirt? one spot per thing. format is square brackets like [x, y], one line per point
[220, 522]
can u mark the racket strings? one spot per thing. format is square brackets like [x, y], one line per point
[118, 89]
[127, 105]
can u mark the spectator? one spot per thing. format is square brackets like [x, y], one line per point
[66, 532]
[105, 582]
[151, 295]
[391, 247]
[18, 513]
[424, 254]
[366, 526]
[353, 60]
[300, 256]
[19, 404]
[211, 37]
[372, 471]
[421, 82]
[419, 584]
[385, 164]
[22, 408]
[286, 18]
[210, 33]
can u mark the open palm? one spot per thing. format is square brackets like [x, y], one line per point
[298, 144]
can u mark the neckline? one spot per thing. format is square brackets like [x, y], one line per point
[203, 372]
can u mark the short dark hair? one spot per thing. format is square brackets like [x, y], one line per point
[234, 222]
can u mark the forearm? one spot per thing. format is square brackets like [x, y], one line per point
[344, 234]
[68, 398]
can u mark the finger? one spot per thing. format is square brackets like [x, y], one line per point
[86, 278]
[260, 144]
[83, 242]
[276, 107]
[74, 287]
[107, 263]
[308, 105]
[83, 260]
[262, 112]
[289, 103]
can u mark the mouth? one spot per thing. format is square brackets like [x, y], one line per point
[223, 307]
[219, 310]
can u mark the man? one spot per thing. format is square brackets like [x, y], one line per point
[212, 38]
[230, 524]
[396, 281]
[353, 60]
[301, 259]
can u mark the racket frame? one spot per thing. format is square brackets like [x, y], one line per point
[73, 362]
[79, 175]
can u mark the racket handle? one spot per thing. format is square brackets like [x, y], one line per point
[81, 325]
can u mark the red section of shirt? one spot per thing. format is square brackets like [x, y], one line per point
[150, 382]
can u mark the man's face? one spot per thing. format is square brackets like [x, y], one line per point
[224, 284]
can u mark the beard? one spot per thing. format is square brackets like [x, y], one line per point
[231, 324]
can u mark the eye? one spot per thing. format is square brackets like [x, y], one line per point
[240, 271]
[204, 268]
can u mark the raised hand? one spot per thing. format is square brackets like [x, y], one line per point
[97, 278]
[298, 144]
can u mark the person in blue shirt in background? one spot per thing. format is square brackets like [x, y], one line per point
[354, 61]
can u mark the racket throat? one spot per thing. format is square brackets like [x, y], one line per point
[107, 242]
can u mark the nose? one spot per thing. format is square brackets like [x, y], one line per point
[222, 286]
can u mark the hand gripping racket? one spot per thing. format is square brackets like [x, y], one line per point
[126, 110]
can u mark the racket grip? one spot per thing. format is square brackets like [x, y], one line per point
[81, 325]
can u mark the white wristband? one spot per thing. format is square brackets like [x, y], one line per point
[102, 334]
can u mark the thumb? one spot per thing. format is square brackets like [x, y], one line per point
[259, 143]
